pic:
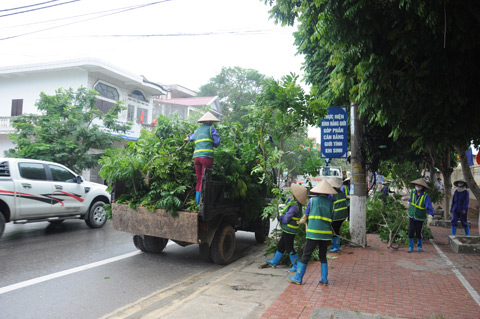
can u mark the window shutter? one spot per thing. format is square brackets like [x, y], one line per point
[17, 107]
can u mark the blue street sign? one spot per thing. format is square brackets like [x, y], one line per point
[333, 133]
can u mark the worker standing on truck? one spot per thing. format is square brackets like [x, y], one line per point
[289, 220]
[206, 138]
[319, 232]
[340, 212]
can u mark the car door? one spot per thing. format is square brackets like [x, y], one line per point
[68, 195]
[33, 191]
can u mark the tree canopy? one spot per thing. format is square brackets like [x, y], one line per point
[67, 130]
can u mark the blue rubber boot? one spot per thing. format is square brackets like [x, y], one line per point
[419, 244]
[335, 245]
[454, 230]
[197, 197]
[297, 279]
[410, 245]
[294, 260]
[324, 273]
[276, 259]
[467, 231]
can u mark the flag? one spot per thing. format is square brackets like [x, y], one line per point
[154, 122]
[141, 117]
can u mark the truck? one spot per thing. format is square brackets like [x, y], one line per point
[212, 227]
[42, 191]
[324, 173]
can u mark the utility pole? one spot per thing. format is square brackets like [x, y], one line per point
[358, 183]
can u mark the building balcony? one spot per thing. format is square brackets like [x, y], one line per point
[6, 124]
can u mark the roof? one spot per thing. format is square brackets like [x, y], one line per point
[91, 65]
[190, 101]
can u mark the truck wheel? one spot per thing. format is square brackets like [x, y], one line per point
[97, 215]
[2, 224]
[138, 242]
[223, 245]
[205, 252]
[262, 228]
[154, 244]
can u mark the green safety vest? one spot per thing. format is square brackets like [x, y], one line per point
[417, 209]
[340, 208]
[203, 142]
[292, 226]
[320, 219]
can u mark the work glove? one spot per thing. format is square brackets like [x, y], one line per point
[429, 220]
[303, 220]
[186, 139]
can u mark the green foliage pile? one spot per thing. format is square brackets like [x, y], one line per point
[387, 216]
[157, 171]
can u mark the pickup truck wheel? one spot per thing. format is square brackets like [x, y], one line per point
[97, 216]
[138, 242]
[154, 244]
[223, 245]
[262, 228]
[205, 252]
[2, 224]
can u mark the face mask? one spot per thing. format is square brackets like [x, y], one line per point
[461, 185]
[418, 188]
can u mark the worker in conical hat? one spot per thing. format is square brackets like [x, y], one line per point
[319, 232]
[289, 221]
[206, 138]
[459, 208]
[420, 206]
[340, 211]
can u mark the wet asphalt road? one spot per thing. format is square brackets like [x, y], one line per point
[33, 252]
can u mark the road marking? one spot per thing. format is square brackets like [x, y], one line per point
[459, 275]
[34, 281]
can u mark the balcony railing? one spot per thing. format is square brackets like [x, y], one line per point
[6, 124]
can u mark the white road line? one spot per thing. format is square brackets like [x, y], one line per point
[459, 275]
[65, 272]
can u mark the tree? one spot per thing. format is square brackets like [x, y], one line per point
[67, 130]
[236, 87]
[412, 64]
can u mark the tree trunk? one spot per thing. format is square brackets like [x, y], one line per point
[447, 183]
[467, 173]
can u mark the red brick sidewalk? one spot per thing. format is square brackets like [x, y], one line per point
[389, 282]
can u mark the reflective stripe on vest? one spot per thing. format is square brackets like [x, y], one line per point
[203, 142]
[292, 226]
[320, 219]
[340, 208]
[417, 208]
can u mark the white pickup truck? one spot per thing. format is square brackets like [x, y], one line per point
[37, 191]
[324, 173]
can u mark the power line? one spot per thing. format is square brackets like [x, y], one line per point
[31, 5]
[67, 24]
[53, 5]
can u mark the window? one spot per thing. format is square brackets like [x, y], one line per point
[107, 91]
[34, 171]
[138, 95]
[17, 107]
[60, 174]
[4, 169]
[104, 106]
[130, 113]
[142, 115]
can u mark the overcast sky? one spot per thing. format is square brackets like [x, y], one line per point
[182, 42]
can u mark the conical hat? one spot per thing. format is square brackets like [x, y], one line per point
[460, 181]
[323, 188]
[300, 193]
[208, 117]
[335, 182]
[347, 180]
[421, 182]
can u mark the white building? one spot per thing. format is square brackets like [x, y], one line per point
[20, 88]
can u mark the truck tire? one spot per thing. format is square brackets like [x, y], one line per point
[138, 242]
[2, 224]
[154, 244]
[205, 252]
[97, 215]
[223, 245]
[262, 228]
